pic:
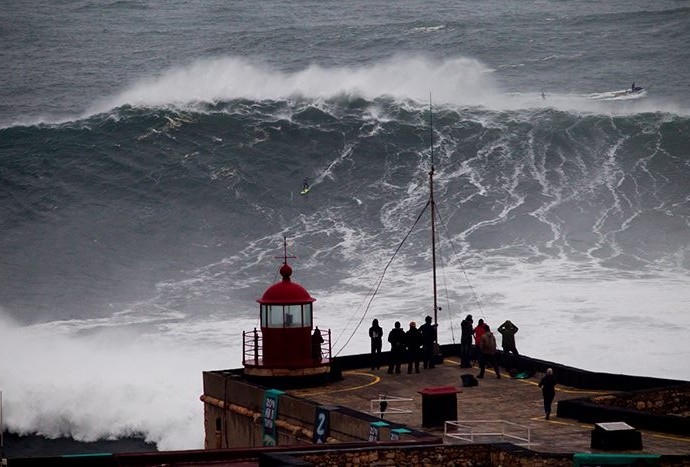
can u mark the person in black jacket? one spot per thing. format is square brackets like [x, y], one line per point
[397, 340]
[508, 331]
[428, 332]
[316, 341]
[376, 336]
[413, 341]
[466, 342]
[548, 390]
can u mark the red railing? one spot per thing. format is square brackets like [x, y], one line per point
[252, 347]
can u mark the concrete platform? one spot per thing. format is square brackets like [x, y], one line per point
[515, 400]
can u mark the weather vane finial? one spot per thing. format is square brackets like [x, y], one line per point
[285, 255]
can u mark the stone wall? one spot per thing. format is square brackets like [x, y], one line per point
[666, 401]
[664, 409]
[233, 417]
[445, 455]
[484, 455]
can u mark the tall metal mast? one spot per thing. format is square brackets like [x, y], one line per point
[433, 208]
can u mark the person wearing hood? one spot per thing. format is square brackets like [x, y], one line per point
[509, 360]
[508, 331]
[376, 337]
[396, 338]
[316, 341]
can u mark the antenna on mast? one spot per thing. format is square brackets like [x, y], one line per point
[431, 132]
[433, 206]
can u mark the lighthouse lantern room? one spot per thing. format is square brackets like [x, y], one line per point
[288, 344]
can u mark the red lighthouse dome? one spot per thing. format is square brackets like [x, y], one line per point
[286, 291]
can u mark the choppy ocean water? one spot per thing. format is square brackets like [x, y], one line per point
[151, 157]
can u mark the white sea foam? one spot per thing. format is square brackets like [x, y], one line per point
[455, 82]
[110, 383]
[460, 81]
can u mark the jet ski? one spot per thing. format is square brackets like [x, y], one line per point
[628, 92]
[633, 92]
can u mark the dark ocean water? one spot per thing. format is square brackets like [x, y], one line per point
[151, 157]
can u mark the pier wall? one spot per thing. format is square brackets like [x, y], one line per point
[495, 454]
[234, 418]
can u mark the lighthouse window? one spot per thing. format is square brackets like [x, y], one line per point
[306, 308]
[275, 316]
[293, 316]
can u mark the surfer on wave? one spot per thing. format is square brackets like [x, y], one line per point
[305, 186]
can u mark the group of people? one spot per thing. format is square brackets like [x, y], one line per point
[415, 345]
[485, 348]
[411, 346]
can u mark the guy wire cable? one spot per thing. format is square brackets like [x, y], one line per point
[381, 278]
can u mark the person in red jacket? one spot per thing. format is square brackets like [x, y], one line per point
[477, 332]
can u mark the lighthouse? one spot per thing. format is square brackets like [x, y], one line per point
[288, 345]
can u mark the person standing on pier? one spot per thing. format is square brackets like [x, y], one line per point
[487, 348]
[508, 331]
[428, 332]
[376, 336]
[548, 390]
[316, 341]
[478, 332]
[396, 338]
[466, 342]
[413, 340]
